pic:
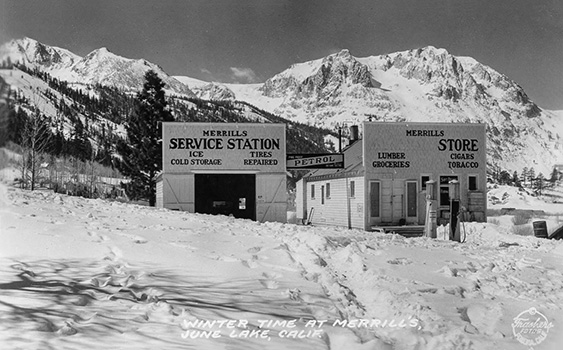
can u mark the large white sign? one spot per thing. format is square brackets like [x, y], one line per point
[223, 146]
[404, 148]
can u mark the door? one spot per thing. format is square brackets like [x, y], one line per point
[375, 202]
[392, 201]
[226, 194]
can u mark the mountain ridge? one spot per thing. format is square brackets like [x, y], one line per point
[100, 66]
[425, 84]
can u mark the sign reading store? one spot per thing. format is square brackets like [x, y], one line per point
[447, 147]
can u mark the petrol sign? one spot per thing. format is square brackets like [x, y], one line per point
[315, 161]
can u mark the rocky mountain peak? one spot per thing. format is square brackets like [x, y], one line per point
[427, 65]
[101, 52]
[100, 66]
[214, 91]
[320, 78]
[458, 78]
[31, 52]
[335, 71]
[341, 56]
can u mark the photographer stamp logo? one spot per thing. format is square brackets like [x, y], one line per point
[531, 327]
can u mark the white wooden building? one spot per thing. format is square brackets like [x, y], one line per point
[385, 173]
[233, 169]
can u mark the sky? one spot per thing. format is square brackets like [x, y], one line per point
[250, 41]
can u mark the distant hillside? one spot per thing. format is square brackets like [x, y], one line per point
[86, 120]
[422, 85]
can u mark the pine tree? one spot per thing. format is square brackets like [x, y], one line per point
[4, 122]
[554, 176]
[515, 179]
[504, 177]
[57, 143]
[141, 153]
[540, 181]
[524, 176]
[80, 146]
[531, 176]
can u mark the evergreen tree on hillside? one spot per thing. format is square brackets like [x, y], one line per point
[515, 179]
[524, 176]
[141, 153]
[17, 118]
[554, 176]
[540, 183]
[79, 146]
[504, 177]
[531, 176]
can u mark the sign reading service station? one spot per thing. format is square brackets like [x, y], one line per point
[223, 146]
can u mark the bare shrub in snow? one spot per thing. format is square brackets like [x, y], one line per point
[494, 221]
[521, 218]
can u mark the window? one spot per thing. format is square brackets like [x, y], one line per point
[374, 199]
[322, 195]
[312, 191]
[445, 189]
[472, 183]
[327, 190]
[423, 180]
[352, 188]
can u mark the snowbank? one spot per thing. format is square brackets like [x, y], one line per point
[83, 273]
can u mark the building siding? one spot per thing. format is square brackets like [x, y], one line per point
[430, 149]
[159, 194]
[178, 192]
[357, 203]
[216, 151]
[300, 200]
[396, 156]
[271, 200]
[334, 211]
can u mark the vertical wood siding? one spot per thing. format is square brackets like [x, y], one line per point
[178, 192]
[271, 199]
[334, 211]
[159, 194]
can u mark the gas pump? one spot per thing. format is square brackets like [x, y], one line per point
[454, 211]
[431, 212]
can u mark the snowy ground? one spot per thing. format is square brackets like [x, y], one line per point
[551, 200]
[508, 202]
[79, 273]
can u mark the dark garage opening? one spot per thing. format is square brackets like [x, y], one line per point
[226, 194]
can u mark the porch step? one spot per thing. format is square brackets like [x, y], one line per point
[405, 231]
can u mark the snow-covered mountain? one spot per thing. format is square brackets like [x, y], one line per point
[33, 53]
[98, 67]
[421, 85]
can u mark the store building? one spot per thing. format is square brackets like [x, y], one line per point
[384, 178]
[233, 169]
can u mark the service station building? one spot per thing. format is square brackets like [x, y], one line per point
[236, 169]
[385, 175]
